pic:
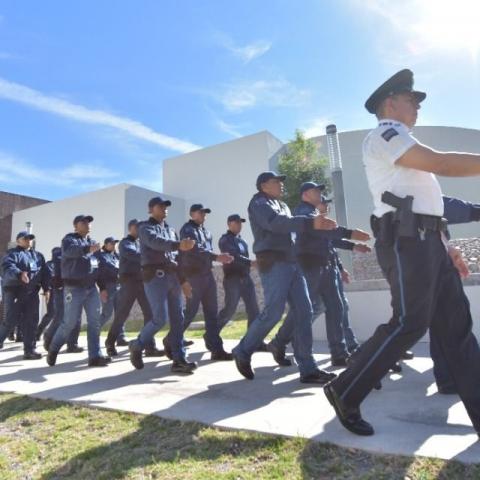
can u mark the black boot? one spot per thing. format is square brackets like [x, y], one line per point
[136, 354]
[279, 355]
[154, 352]
[220, 356]
[33, 355]
[320, 377]
[182, 366]
[52, 358]
[244, 367]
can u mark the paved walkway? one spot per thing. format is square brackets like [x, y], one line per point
[408, 415]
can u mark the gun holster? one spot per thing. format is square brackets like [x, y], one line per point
[383, 228]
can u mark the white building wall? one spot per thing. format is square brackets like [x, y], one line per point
[221, 177]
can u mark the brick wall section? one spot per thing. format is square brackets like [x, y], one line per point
[10, 203]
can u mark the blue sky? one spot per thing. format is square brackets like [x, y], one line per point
[95, 93]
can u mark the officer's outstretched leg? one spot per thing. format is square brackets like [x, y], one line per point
[12, 312]
[231, 286]
[30, 307]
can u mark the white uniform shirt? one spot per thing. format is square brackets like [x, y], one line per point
[382, 147]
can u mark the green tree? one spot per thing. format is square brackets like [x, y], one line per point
[301, 163]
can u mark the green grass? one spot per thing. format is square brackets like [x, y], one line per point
[234, 331]
[43, 439]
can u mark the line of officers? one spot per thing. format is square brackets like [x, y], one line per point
[170, 276]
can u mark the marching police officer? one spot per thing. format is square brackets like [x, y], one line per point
[282, 280]
[317, 257]
[107, 281]
[79, 268]
[56, 293]
[131, 289]
[24, 273]
[196, 265]
[414, 256]
[163, 285]
[237, 282]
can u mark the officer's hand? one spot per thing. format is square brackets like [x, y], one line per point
[187, 289]
[345, 276]
[361, 248]
[24, 277]
[186, 244]
[95, 247]
[458, 261]
[104, 296]
[321, 222]
[360, 236]
[224, 258]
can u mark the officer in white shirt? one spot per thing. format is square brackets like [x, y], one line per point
[420, 267]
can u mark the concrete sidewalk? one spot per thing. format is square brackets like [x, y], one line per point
[409, 417]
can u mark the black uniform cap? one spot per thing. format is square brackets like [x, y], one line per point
[401, 82]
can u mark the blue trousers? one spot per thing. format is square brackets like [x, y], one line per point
[21, 302]
[325, 284]
[237, 287]
[131, 289]
[77, 299]
[164, 294]
[283, 283]
[111, 303]
[204, 291]
[58, 309]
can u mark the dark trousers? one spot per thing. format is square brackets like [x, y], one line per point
[21, 302]
[426, 292]
[443, 377]
[131, 289]
[204, 291]
[238, 287]
[56, 296]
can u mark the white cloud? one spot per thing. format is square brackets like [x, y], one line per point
[277, 93]
[228, 128]
[16, 171]
[32, 98]
[246, 53]
[316, 127]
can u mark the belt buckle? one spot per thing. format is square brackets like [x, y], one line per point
[159, 273]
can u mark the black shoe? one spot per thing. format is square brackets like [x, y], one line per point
[99, 361]
[318, 376]
[32, 355]
[350, 418]
[339, 361]
[135, 354]
[74, 349]
[396, 367]
[154, 352]
[167, 349]
[19, 339]
[1, 346]
[244, 367]
[188, 343]
[111, 351]
[182, 366]
[11, 337]
[263, 347]
[408, 355]
[447, 390]
[220, 356]
[378, 386]
[52, 358]
[279, 355]
[122, 342]
[46, 344]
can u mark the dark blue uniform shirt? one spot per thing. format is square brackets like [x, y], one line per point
[78, 265]
[108, 265]
[459, 211]
[236, 246]
[158, 244]
[18, 260]
[130, 257]
[272, 225]
[199, 259]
